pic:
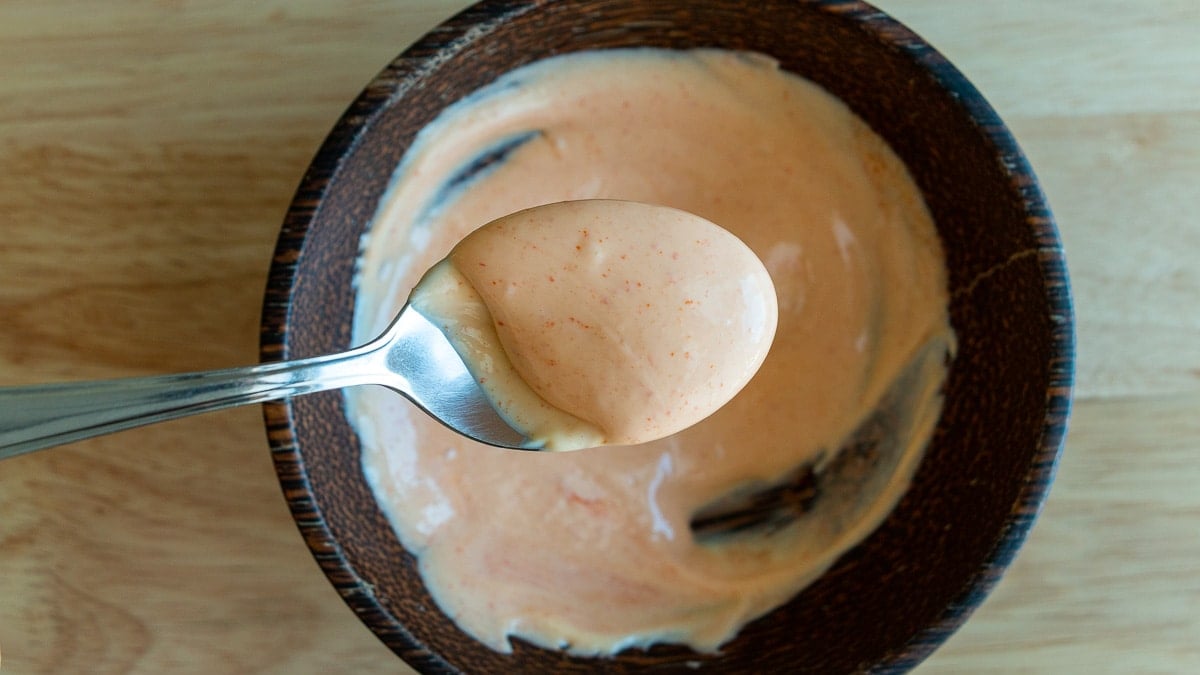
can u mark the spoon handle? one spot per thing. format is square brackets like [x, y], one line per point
[41, 416]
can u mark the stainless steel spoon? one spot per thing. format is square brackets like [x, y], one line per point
[412, 357]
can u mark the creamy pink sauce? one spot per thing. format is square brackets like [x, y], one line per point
[603, 322]
[591, 551]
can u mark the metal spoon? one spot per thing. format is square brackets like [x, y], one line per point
[412, 356]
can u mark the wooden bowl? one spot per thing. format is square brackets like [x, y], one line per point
[888, 602]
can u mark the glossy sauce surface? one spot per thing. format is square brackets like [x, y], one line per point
[591, 551]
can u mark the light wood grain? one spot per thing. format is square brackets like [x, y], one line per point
[149, 148]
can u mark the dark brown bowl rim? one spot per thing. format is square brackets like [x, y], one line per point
[411, 64]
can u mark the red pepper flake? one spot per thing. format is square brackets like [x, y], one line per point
[596, 507]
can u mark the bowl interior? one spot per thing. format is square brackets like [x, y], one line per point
[892, 599]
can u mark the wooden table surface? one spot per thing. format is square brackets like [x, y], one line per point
[148, 149]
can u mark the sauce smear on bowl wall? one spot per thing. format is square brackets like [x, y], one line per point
[592, 551]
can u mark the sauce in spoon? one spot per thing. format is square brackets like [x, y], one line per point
[603, 322]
